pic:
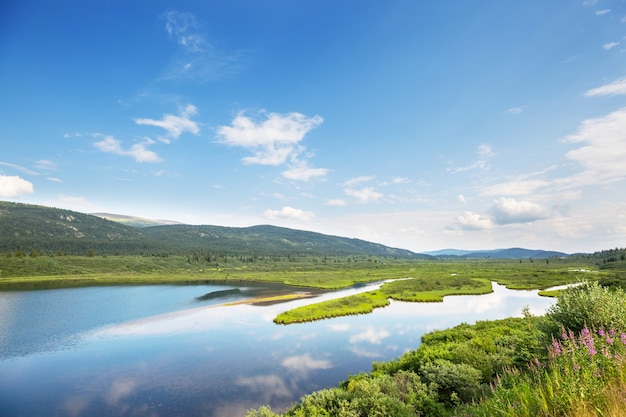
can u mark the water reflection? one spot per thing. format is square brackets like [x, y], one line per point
[208, 359]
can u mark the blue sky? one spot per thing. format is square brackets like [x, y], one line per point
[417, 124]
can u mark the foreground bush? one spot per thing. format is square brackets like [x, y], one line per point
[588, 305]
[585, 375]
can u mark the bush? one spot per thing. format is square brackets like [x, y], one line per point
[588, 305]
[455, 382]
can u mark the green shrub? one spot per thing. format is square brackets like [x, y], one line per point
[588, 305]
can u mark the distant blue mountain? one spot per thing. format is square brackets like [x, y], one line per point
[510, 253]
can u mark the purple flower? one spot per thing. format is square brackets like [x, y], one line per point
[592, 351]
[611, 332]
[624, 338]
[576, 367]
[564, 336]
[585, 332]
[609, 340]
[557, 347]
[601, 332]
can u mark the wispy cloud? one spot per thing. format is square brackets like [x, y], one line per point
[174, 125]
[13, 186]
[46, 165]
[301, 171]
[19, 168]
[604, 151]
[54, 179]
[198, 59]
[336, 202]
[484, 153]
[617, 87]
[364, 195]
[357, 180]
[602, 12]
[514, 188]
[289, 213]
[514, 110]
[610, 45]
[510, 210]
[185, 29]
[139, 151]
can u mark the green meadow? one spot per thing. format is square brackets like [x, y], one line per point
[411, 280]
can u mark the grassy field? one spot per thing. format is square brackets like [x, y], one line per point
[415, 280]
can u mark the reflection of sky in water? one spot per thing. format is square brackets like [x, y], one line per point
[223, 360]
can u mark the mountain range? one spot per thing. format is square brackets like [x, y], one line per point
[510, 253]
[47, 230]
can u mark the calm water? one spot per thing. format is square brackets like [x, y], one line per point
[178, 351]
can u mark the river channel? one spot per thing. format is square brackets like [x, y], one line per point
[192, 350]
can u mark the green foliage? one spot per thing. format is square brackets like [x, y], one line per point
[587, 305]
[585, 375]
[402, 394]
[433, 290]
[25, 227]
[354, 304]
[450, 368]
[455, 382]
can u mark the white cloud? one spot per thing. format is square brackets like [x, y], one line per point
[289, 213]
[175, 125]
[604, 152]
[138, 151]
[13, 186]
[357, 180]
[301, 171]
[589, 3]
[510, 210]
[602, 12]
[19, 168]
[184, 28]
[364, 195]
[617, 87]
[54, 179]
[46, 165]
[273, 140]
[514, 188]
[400, 180]
[610, 45]
[336, 202]
[473, 221]
[461, 198]
[197, 60]
[484, 153]
[514, 110]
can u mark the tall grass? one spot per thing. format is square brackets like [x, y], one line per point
[585, 375]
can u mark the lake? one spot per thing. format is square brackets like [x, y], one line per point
[178, 350]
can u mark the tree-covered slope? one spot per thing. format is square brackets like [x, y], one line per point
[267, 239]
[44, 230]
[25, 227]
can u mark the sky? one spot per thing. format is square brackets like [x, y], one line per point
[420, 125]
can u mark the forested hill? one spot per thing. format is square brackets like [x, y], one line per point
[42, 230]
